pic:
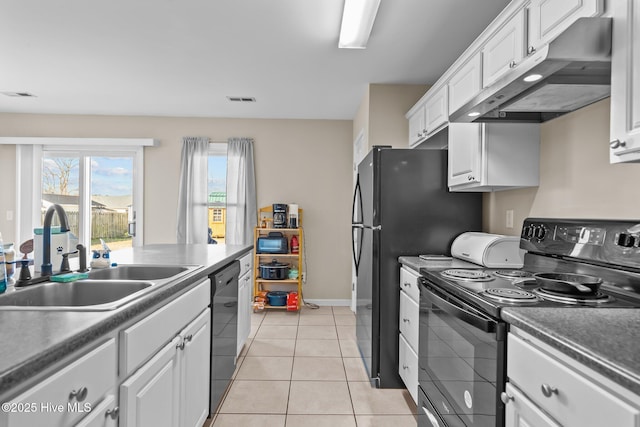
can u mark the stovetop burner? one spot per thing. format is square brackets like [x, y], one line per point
[467, 275]
[513, 274]
[510, 295]
[590, 298]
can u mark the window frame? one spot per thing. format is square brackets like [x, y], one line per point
[29, 155]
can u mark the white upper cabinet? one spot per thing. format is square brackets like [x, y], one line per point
[465, 83]
[625, 83]
[548, 18]
[505, 49]
[428, 116]
[493, 156]
[416, 125]
[436, 112]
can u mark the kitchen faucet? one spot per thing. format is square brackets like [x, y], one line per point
[46, 269]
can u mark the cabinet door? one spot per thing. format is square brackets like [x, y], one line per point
[417, 126]
[408, 367]
[195, 364]
[549, 18]
[436, 110]
[409, 314]
[521, 412]
[244, 310]
[625, 83]
[465, 83]
[504, 50]
[149, 398]
[465, 153]
[104, 415]
[60, 399]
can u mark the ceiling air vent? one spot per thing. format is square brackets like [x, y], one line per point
[19, 94]
[241, 99]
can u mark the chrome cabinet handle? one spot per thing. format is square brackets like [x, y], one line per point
[470, 178]
[405, 367]
[79, 394]
[407, 284]
[181, 345]
[548, 390]
[188, 338]
[112, 413]
[512, 64]
[506, 397]
[616, 143]
[531, 50]
[405, 320]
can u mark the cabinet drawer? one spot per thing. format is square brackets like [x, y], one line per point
[576, 401]
[246, 262]
[408, 368]
[51, 402]
[409, 315]
[142, 340]
[409, 283]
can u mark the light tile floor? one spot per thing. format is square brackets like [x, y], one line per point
[304, 369]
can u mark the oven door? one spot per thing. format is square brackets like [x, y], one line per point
[461, 361]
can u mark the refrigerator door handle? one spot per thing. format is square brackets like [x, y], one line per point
[357, 196]
[356, 258]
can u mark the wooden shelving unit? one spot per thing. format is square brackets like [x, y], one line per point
[265, 215]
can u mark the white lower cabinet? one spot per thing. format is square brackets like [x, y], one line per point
[408, 326]
[104, 415]
[542, 380]
[172, 388]
[521, 412]
[68, 395]
[245, 294]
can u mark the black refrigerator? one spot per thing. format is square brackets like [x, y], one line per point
[401, 207]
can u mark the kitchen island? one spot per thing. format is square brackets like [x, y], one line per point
[35, 341]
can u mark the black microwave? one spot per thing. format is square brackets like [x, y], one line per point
[274, 243]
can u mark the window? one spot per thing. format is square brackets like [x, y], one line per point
[96, 192]
[98, 183]
[217, 191]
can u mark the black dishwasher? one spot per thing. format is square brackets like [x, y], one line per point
[224, 330]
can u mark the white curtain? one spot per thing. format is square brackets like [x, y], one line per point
[242, 211]
[192, 195]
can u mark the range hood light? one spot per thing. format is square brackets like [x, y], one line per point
[473, 114]
[532, 78]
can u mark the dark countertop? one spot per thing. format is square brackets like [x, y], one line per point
[605, 340]
[34, 340]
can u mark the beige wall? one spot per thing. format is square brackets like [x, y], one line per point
[576, 179]
[381, 114]
[297, 161]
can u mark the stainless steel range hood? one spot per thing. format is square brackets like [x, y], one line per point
[575, 70]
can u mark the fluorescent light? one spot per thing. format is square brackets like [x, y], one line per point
[357, 22]
[532, 78]
[473, 114]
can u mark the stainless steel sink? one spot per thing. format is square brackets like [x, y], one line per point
[137, 272]
[82, 295]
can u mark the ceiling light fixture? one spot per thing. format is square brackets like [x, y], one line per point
[357, 21]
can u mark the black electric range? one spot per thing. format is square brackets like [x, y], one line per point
[462, 344]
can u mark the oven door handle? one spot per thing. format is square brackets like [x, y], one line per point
[471, 316]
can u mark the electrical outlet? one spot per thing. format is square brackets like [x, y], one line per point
[509, 219]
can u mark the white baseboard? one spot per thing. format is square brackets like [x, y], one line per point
[333, 302]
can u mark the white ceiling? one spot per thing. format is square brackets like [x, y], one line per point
[184, 57]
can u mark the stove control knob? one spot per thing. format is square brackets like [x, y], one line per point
[539, 232]
[527, 232]
[626, 240]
